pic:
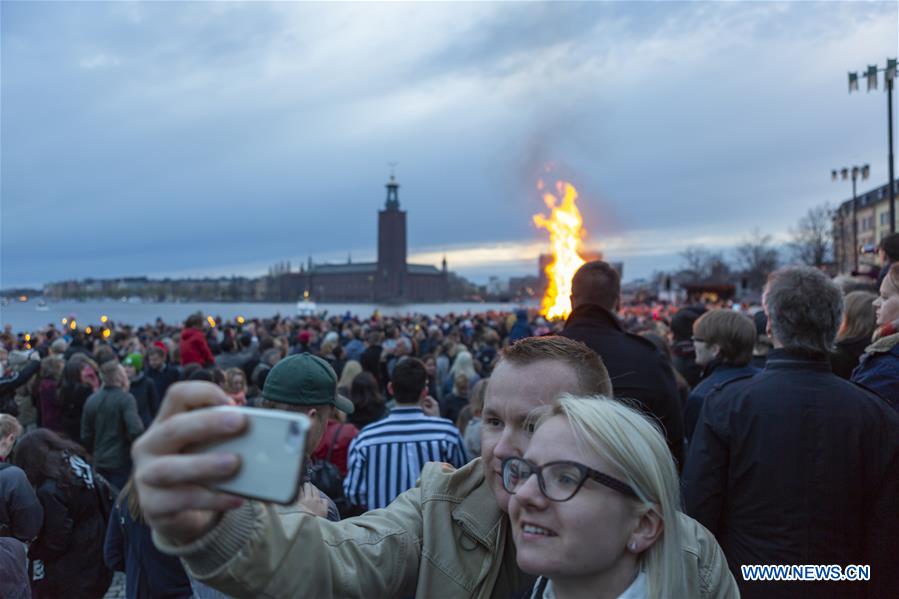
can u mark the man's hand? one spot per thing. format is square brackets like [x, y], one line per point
[171, 484]
[430, 406]
[312, 502]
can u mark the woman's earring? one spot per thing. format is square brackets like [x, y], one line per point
[632, 546]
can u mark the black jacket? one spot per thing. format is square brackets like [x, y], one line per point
[70, 545]
[144, 391]
[637, 369]
[164, 378]
[795, 465]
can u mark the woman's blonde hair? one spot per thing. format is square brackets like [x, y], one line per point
[637, 449]
[859, 316]
[350, 370]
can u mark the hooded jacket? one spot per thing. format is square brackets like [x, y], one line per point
[194, 348]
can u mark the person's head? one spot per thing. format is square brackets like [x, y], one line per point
[349, 372]
[628, 490]
[59, 347]
[10, 430]
[464, 364]
[52, 367]
[887, 304]
[476, 401]
[531, 373]
[194, 321]
[364, 393]
[596, 283]
[725, 336]
[307, 384]
[41, 454]
[888, 249]
[409, 382]
[133, 364]
[104, 354]
[235, 385]
[682, 325]
[113, 375]
[460, 385]
[859, 316]
[804, 308]
[156, 358]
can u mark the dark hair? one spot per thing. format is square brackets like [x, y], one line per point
[408, 380]
[890, 246]
[596, 283]
[227, 345]
[42, 455]
[365, 395]
[194, 321]
[804, 308]
[592, 376]
[104, 354]
[682, 324]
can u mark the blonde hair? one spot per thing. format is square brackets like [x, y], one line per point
[9, 425]
[350, 370]
[859, 316]
[235, 381]
[637, 449]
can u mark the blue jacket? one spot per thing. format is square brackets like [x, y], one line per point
[878, 369]
[149, 573]
[714, 378]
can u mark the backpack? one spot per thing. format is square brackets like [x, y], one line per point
[327, 478]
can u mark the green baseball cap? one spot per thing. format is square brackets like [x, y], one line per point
[304, 380]
[134, 360]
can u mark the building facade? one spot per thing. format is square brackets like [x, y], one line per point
[389, 280]
[856, 232]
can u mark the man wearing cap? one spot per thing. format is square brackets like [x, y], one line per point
[142, 388]
[306, 384]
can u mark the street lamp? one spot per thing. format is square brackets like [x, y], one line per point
[889, 74]
[856, 172]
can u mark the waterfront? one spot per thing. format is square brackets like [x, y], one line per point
[25, 316]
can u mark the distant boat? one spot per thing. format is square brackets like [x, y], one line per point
[42, 306]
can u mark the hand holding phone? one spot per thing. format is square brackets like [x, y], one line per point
[272, 454]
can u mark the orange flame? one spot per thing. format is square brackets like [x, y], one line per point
[565, 234]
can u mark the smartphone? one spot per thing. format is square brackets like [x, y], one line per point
[272, 455]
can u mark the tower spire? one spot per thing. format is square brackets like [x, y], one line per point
[393, 199]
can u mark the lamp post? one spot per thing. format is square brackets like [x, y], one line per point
[889, 74]
[844, 173]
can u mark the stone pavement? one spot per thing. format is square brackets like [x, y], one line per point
[117, 588]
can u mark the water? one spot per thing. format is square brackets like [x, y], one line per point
[25, 316]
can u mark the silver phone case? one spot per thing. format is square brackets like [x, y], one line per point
[271, 451]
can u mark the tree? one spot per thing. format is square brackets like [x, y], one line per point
[701, 264]
[757, 258]
[811, 243]
[694, 258]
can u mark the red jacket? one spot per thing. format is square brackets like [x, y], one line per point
[341, 444]
[194, 348]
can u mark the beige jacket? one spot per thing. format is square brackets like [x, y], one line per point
[444, 538]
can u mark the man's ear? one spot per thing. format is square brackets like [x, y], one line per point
[390, 389]
[424, 392]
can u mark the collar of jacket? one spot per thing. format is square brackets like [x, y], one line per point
[479, 515]
[884, 344]
[594, 314]
[794, 358]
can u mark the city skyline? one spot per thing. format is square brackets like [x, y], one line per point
[170, 139]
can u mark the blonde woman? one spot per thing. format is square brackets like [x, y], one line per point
[856, 328]
[350, 370]
[594, 508]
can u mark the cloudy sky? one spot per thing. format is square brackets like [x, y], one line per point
[214, 138]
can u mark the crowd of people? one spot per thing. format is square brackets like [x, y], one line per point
[627, 451]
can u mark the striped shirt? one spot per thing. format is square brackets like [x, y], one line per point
[387, 456]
